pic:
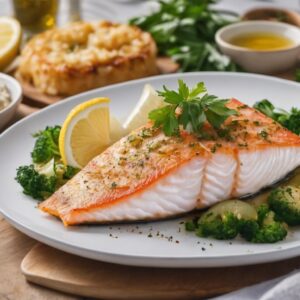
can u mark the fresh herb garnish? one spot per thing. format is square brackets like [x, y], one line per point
[290, 120]
[185, 31]
[189, 108]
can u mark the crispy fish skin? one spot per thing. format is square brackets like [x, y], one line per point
[148, 175]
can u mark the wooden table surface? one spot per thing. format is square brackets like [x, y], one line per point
[14, 246]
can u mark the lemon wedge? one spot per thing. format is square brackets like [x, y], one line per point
[148, 101]
[85, 132]
[117, 131]
[10, 37]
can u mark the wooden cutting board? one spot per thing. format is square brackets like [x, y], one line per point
[68, 273]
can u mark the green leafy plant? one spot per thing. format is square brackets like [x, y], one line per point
[290, 120]
[185, 31]
[189, 108]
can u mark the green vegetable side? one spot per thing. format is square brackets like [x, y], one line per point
[285, 202]
[47, 172]
[185, 31]
[290, 120]
[231, 218]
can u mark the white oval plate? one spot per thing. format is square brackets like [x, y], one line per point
[156, 244]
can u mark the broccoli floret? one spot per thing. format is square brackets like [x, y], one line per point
[219, 227]
[225, 221]
[36, 185]
[222, 220]
[272, 233]
[285, 202]
[70, 172]
[46, 145]
[262, 213]
[293, 121]
[64, 172]
[191, 225]
[48, 173]
[265, 229]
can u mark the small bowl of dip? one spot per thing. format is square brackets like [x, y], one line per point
[10, 97]
[261, 46]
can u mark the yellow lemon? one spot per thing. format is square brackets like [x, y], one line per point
[10, 37]
[85, 132]
[116, 129]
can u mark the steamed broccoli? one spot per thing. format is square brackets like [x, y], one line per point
[265, 229]
[38, 186]
[219, 227]
[47, 173]
[222, 221]
[41, 181]
[285, 202]
[46, 145]
[64, 172]
[229, 218]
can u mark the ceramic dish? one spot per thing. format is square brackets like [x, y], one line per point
[16, 96]
[153, 244]
[267, 62]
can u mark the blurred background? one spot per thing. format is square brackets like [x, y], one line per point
[122, 10]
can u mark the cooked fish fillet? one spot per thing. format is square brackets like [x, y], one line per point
[83, 56]
[147, 175]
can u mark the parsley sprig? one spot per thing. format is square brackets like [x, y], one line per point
[189, 108]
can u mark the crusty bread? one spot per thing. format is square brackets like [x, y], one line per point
[83, 56]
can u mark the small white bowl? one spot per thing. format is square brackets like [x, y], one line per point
[266, 61]
[15, 90]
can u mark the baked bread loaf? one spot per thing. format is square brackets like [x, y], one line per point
[83, 56]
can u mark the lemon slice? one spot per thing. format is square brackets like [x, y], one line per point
[85, 132]
[10, 37]
[116, 129]
[148, 101]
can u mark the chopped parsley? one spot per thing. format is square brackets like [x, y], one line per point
[264, 134]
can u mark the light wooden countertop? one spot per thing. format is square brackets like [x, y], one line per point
[14, 246]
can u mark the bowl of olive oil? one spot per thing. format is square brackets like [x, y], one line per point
[261, 46]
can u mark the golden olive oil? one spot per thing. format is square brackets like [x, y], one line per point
[262, 41]
[36, 15]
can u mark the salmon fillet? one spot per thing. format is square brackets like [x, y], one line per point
[147, 175]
